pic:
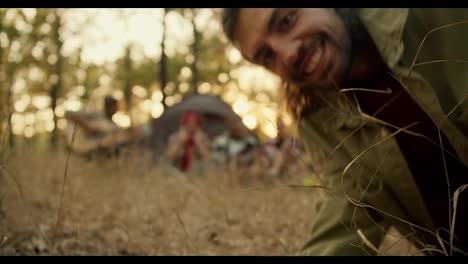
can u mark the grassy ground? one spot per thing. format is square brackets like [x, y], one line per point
[121, 207]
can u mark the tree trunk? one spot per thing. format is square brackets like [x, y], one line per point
[2, 81]
[57, 86]
[2, 76]
[127, 84]
[9, 96]
[11, 139]
[196, 36]
[163, 62]
[8, 72]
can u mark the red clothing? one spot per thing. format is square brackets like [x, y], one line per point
[189, 145]
[187, 155]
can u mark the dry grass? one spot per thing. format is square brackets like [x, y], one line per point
[133, 207]
[129, 206]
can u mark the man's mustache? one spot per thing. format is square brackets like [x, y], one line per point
[302, 52]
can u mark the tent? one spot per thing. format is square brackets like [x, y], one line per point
[218, 117]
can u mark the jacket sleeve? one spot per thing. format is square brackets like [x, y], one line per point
[335, 231]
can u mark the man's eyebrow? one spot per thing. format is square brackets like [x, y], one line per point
[271, 22]
[272, 19]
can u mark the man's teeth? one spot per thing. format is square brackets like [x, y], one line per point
[314, 61]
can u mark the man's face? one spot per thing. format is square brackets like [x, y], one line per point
[111, 109]
[308, 46]
[191, 126]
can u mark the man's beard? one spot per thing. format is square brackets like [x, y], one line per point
[306, 93]
[357, 34]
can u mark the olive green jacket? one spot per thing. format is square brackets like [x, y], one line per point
[356, 155]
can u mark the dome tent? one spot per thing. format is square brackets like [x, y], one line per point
[217, 115]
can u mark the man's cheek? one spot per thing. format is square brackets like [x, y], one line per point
[283, 74]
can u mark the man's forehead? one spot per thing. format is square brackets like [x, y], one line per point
[251, 26]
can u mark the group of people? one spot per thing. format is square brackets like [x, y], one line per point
[238, 149]
[189, 149]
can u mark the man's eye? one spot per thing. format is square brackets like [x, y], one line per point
[287, 21]
[267, 58]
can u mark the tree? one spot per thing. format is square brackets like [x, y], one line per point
[8, 68]
[3, 85]
[57, 86]
[163, 61]
[127, 65]
[195, 44]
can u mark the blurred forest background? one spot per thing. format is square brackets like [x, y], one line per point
[58, 60]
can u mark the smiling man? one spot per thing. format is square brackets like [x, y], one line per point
[389, 136]
[311, 55]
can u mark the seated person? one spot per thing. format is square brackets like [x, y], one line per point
[189, 143]
[88, 133]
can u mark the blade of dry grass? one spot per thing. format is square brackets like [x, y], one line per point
[286, 186]
[448, 184]
[364, 205]
[427, 35]
[373, 146]
[428, 250]
[443, 151]
[356, 236]
[387, 231]
[441, 242]
[408, 131]
[453, 109]
[457, 193]
[451, 218]
[181, 224]
[367, 187]
[366, 241]
[388, 91]
[361, 126]
[439, 124]
[395, 243]
[439, 61]
[65, 176]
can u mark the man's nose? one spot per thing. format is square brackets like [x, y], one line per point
[287, 51]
